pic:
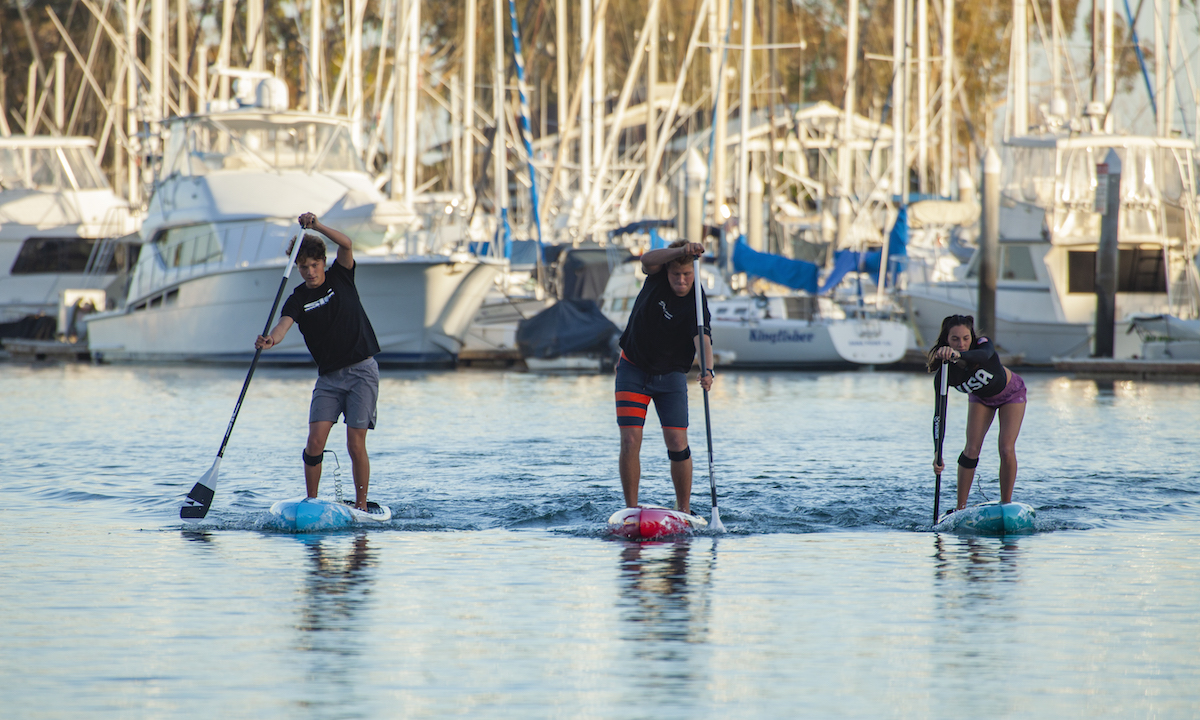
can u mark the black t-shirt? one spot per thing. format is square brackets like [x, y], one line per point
[332, 320]
[660, 336]
[983, 375]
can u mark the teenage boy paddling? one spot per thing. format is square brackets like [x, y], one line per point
[657, 349]
[339, 336]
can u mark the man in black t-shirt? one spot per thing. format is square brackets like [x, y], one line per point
[657, 349]
[342, 342]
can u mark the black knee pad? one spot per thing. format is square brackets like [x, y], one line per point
[967, 462]
[681, 455]
[311, 460]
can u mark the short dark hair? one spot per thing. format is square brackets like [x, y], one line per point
[311, 248]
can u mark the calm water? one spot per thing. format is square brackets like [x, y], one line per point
[494, 592]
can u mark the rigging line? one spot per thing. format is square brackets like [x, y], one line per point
[712, 137]
[1137, 47]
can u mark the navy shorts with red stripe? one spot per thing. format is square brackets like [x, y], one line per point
[636, 388]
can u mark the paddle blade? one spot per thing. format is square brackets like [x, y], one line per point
[199, 500]
[715, 524]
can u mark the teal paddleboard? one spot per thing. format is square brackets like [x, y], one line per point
[311, 514]
[990, 518]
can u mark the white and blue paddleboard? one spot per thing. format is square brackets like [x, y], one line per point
[990, 518]
[306, 514]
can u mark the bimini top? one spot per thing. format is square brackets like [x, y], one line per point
[49, 163]
[255, 139]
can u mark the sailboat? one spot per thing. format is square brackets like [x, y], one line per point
[1049, 224]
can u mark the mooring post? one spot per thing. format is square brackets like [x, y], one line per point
[1108, 202]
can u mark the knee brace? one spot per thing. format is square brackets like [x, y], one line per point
[967, 462]
[680, 455]
[311, 460]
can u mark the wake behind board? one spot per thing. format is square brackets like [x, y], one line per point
[651, 522]
[305, 514]
[990, 518]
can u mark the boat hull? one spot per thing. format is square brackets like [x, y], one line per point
[800, 343]
[419, 307]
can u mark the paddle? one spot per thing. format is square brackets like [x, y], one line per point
[199, 500]
[939, 434]
[715, 524]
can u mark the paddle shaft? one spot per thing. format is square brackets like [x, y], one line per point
[699, 288]
[254, 363]
[939, 435]
[199, 500]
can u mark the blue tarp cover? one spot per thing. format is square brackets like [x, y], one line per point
[797, 274]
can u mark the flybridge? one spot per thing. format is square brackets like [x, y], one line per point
[258, 140]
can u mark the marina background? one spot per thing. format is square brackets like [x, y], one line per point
[495, 590]
[172, 145]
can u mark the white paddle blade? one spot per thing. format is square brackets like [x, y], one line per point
[199, 500]
[715, 524]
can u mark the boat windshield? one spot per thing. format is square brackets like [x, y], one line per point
[1153, 180]
[201, 145]
[49, 168]
[1029, 175]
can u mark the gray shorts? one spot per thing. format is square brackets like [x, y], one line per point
[352, 391]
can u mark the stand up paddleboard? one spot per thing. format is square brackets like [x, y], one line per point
[306, 514]
[989, 518]
[651, 522]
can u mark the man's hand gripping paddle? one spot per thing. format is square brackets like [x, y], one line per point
[199, 500]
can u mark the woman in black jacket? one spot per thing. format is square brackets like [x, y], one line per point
[975, 369]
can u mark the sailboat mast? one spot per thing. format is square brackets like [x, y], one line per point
[923, 96]
[500, 156]
[1109, 77]
[412, 64]
[468, 146]
[845, 166]
[650, 179]
[1020, 43]
[585, 107]
[745, 119]
[947, 91]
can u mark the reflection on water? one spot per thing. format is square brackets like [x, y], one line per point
[665, 610]
[977, 583]
[202, 537]
[337, 592]
[975, 560]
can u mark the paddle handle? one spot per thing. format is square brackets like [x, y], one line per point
[939, 435]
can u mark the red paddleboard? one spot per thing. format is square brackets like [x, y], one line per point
[650, 522]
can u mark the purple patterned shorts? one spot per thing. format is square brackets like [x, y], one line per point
[1013, 392]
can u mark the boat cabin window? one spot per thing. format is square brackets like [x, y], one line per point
[1138, 271]
[60, 255]
[1016, 263]
[190, 245]
[1030, 175]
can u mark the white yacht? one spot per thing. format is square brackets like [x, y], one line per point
[766, 331]
[218, 227]
[61, 226]
[1049, 234]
